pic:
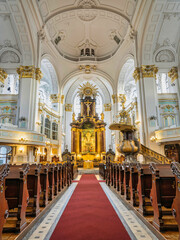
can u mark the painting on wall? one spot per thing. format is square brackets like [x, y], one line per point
[88, 141]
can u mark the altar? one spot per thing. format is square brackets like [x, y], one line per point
[88, 130]
[88, 164]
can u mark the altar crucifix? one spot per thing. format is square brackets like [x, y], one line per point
[88, 107]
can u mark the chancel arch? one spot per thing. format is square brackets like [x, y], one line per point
[73, 105]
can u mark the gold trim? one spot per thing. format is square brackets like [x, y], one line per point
[173, 74]
[26, 71]
[136, 74]
[3, 75]
[149, 71]
[38, 74]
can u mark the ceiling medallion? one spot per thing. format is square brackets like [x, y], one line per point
[87, 68]
[87, 4]
[87, 15]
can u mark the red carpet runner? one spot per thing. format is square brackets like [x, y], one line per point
[89, 215]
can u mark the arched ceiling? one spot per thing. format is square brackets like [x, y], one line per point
[162, 34]
[101, 25]
[71, 87]
[15, 47]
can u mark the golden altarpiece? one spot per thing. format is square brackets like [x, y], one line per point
[88, 144]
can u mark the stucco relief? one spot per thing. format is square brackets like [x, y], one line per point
[165, 55]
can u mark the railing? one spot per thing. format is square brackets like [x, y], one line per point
[153, 156]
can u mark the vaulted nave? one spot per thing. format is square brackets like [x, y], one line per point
[89, 119]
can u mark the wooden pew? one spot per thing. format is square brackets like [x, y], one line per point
[144, 188]
[51, 181]
[74, 171]
[102, 170]
[126, 167]
[44, 185]
[69, 173]
[60, 178]
[115, 175]
[64, 175]
[121, 179]
[17, 196]
[162, 195]
[117, 178]
[34, 189]
[175, 166]
[4, 170]
[133, 181]
[56, 179]
[108, 171]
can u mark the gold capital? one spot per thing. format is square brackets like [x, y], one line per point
[173, 74]
[107, 107]
[68, 107]
[3, 75]
[38, 74]
[26, 71]
[136, 74]
[62, 99]
[149, 71]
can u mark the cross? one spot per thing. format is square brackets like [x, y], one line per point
[88, 106]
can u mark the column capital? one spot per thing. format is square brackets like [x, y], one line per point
[149, 71]
[3, 75]
[38, 74]
[173, 74]
[55, 98]
[29, 72]
[26, 71]
[136, 74]
[107, 107]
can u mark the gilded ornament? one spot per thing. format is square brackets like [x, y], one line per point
[87, 89]
[173, 74]
[136, 74]
[149, 71]
[87, 68]
[3, 75]
[102, 116]
[62, 99]
[26, 71]
[55, 98]
[68, 107]
[38, 74]
[107, 107]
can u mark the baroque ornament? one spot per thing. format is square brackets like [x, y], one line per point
[38, 74]
[165, 55]
[87, 15]
[87, 68]
[87, 3]
[173, 74]
[29, 72]
[149, 71]
[26, 71]
[136, 74]
[3, 75]
[87, 89]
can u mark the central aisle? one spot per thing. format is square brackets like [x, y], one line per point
[89, 215]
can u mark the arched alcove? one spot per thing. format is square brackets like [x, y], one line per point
[48, 84]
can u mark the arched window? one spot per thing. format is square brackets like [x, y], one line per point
[11, 84]
[54, 131]
[98, 105]
[77, 106]
[162, 83]
[47, 129]
[42, 123]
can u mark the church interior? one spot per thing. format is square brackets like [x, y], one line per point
[89, 119]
